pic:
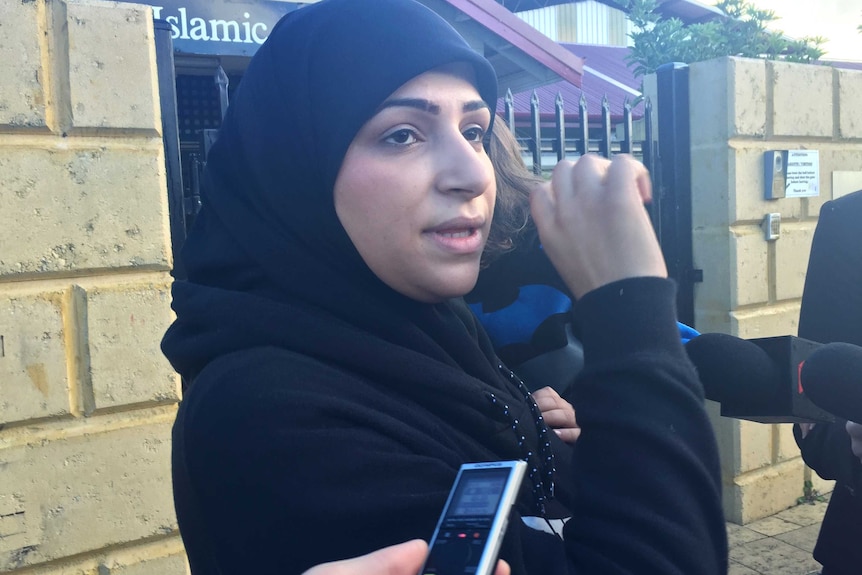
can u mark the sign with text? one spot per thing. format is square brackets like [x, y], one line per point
[219, 27]
[802, 174]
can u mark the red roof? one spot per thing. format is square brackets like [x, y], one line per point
[605, 74]
[509, 27]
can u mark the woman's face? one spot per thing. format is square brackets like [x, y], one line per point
[416, 190]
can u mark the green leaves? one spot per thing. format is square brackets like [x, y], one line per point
[658, 40]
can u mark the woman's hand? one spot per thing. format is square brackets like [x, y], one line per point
[855, 431]
[558, 413]
[593, 224]
[403, 559]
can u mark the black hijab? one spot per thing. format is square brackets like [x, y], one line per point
[268, 261]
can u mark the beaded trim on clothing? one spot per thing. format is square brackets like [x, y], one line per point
[540, 466]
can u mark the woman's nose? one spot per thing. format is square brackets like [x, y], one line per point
[464, 167]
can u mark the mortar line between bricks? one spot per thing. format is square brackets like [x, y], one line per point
[93, 558]
[55, 142]
[78, 373]
[71, 428]
[88, 276]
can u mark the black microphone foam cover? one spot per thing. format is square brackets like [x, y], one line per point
[832, 379]
[733, 370]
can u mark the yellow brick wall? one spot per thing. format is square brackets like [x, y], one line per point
[86, 398]
[752, 287]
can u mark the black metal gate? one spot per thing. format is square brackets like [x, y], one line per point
[666, 156]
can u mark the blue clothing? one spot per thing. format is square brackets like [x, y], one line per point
[517, 322]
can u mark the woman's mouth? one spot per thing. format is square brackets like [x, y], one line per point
[458, 238]
[461, 234]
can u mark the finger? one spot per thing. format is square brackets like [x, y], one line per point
[560, 418]
[403, 559]
[542, 203]
[568, 435]
[548, 393]
[644, 184]
[503, 568]
[561, 177]
[625, 173]
[639, 173]
[547, 398]
[586, 175]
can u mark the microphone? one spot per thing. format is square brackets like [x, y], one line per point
[757, 379]
[832, 379]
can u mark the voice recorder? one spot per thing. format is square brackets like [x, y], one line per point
[471, 527]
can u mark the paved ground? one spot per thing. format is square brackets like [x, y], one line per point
[777, 545]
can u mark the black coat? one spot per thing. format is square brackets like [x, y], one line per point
[832, 311]
[284, 458]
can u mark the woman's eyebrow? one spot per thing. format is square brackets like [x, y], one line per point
[428, 106]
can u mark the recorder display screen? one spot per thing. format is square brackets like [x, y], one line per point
[478, 493]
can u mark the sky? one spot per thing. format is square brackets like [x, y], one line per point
[835, 20]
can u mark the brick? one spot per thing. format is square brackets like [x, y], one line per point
[127, 321]
[823, 486]
[18, 529]
[747, 184]
[748, 267]
[843, 158]
[711, 253]
[712, 320]
[749, 97]
[766, 321]
[764, 492]
[33, 378]
[175, 564]
[82, 493]
[845, 182]
[791, 258]
[711, 199]
[112, 66]
[111, 201]
[801, 100]
[786, 447]
[849, 111]
[755, 446]
[710, 110]
[22, 91]
[730, 102]
[159, 556]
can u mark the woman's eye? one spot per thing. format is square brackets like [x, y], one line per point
[474, 134]
[401, 137]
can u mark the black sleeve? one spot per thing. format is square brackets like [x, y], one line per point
[647, 469]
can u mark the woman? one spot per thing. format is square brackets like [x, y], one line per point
[338, 381]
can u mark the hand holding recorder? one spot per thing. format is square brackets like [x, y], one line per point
[402, 559]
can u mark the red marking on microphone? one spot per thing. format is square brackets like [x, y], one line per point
[799, 377]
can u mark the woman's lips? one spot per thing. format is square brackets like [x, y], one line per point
[459, 236]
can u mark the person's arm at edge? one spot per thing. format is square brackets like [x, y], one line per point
[649, 491]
